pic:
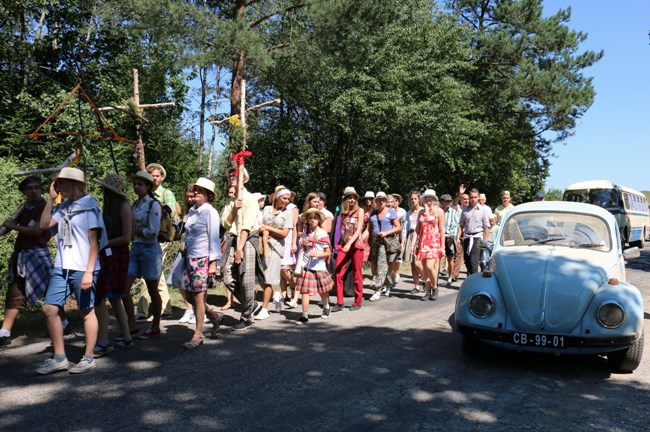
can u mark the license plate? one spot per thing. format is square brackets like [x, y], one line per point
[539, 340]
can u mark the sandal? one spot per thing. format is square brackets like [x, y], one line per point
[215, 320]
[193, 343]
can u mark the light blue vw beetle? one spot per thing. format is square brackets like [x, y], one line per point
[555, 282]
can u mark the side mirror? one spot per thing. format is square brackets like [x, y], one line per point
[631, 253]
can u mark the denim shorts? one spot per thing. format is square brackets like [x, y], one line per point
[64, 282]
[146, 261]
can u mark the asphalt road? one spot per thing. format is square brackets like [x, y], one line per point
[394, 365]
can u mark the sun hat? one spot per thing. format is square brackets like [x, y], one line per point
[430, 193]
[446, 197]
[350, 191]
[205, 183]
[369, 195]
[258, 196]
[398, 197]
[113, 182]
[303, 217]
[158, 167]
[74, 174]
[381, 195]
[143, 175]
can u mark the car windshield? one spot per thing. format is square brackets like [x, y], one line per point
[573, 230]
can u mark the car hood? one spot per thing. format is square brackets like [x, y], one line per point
[547, 288]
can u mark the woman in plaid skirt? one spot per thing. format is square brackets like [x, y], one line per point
[314, 277]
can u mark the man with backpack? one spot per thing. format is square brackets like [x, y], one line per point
[167, 201]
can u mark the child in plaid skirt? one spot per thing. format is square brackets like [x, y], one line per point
[314, 278]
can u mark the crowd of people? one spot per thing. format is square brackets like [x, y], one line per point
[291, 253]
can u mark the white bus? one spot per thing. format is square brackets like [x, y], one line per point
[628, 205]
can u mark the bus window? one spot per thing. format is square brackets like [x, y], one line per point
[605, 198]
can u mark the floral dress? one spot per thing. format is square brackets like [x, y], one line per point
[429, 242]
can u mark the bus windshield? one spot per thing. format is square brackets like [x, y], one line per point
[605, 198]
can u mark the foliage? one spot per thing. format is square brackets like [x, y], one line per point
[553, 194]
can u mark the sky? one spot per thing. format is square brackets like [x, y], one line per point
[612, 139]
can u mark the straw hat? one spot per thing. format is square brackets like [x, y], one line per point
[398, 197]
[158, 167]
[143, 175]
[350, 191]
[303, 217]
[430, 193]
[369, 195]
[205, 183]
[74, 174]
[113, 182]
[381, 195]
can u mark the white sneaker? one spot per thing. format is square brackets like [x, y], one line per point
[387, 292]
[83, 366]
[263, 314]
[50, 365]
[292, 304]
[187, 316]
[193, 319]
[375, 296]
[449, 281]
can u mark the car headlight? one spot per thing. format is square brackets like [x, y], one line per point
[481, 305]
[610, 314]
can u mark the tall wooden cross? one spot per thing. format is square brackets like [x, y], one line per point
[139, 154]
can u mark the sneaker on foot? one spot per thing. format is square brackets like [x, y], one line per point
[83, 366]
[187, 316]
[193, 319]
[417, 290]
[387, 292]
[263, 314]
[292, 304]
[242, 325]
[302, 321]
[101, 350]
[256, 307]
[326, 313]
[449, 281]
[336, 308]
[355, 308]
[375, 296]
[50, 365]
[150, 333]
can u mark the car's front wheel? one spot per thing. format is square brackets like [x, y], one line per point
[627, 360]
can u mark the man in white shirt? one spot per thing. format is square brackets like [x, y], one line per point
[474, 224]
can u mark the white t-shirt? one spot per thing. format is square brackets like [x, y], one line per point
[316, 264]
[75, 256]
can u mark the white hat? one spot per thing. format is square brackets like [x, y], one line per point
[430, 193]
[258, 196]
[74, 174]
[369, 195]
[381, 195]
[205, 184]
[159, 167]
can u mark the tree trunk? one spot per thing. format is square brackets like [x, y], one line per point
[238, 65]
[213, 141]
[203, 76]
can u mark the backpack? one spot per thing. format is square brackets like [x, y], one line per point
[167, 228]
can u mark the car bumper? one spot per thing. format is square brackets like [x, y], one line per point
[571, 344]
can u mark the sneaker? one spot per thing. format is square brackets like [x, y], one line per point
[292, 304]
[256, 308]
[449, 281]
[355, 308]
[83, 366]
[122, 345]
[326, 313]
[242, 325]
[149, 334]
[387, 292]
[101, 350]
[375, 296]
[50, 365]
[302, 321]
[263, 314]
[434, 294]
[425, 297]
[336, 308]
[187, 316]
[193, 319]
[417, 290]
[5, 341]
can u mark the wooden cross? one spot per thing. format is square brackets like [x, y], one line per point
[139, 155]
